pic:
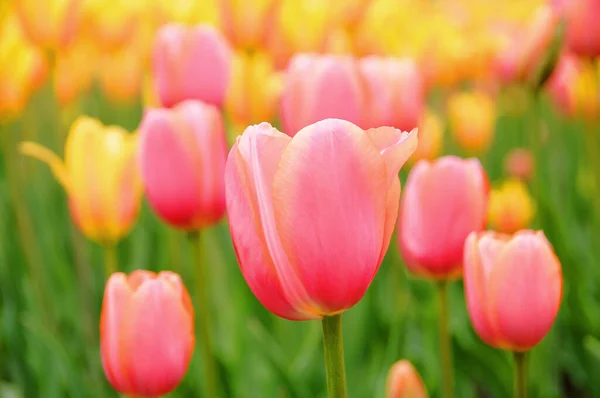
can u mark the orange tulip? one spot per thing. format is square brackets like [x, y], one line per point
[510, 208]
[120, 74]
[99, 176]
[246, 23]
[49, 23]
[318, 87]
[112, 23]
[443, 202]
[395, 90]
[472, 118]
[146, 332]
[431, 137]
[403, 381]
[254, 89]
[182, 159]
[74, 71]
[191, 63]
[513, 287]
[311, 216]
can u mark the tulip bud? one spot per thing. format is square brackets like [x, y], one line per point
[513, 287]
[519, 163]
[246, 23]
[190, 63]
[254, 90]
[146, 332]
[50, 24]
[443, 202]
[99, 176]
[403, 381]
[472, 118]
[510, 208]
[583, 30]
[431, 137]
[182, 158]
[311, 217]
[318, 87]
[395, 91]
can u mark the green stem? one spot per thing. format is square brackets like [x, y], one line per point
[520, 375]
[445, 341]
[110, 260]
[203, 313]
[333, 346]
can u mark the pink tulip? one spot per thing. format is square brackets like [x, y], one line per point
[318, 87]
[583, 30]
[190, 63]
[146, 332]
[182, 156]
[311, 217]
[395, 90]
[562, 83]
[513, 287]
[443, 202]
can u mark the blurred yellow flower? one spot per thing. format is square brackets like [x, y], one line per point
[472, 118]
[49, 23]
[254, 90]
[23, 67]
[431, 137]
[510, 207]
[100, 177]
[74, 69]
[120, 74]
[189, 12]
[112, 23]
[246, 22]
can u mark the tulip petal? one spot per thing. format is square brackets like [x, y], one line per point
[275, 286]
[329, 197]
[158, 339]
[117, 296]
[525, 289]
[395, 146]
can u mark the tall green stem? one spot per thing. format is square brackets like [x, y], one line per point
[520, 375]
[445, 341]
[203, 316]
[111, 263]
[333, 347]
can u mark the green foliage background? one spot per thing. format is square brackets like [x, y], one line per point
[52, 279]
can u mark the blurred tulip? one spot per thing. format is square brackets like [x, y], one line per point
[510, 207]
[246, 22]
[395, 92]
[583, 30]
[191, 63]
[318, 87]
[513, 287]
[254, 90]
[112, 22]
[74, 70]
[23, 68]
[146, 332]
[311, 217]
[431, 137]
[472, 118]
[519, 163]
[49, 23]
[443, 202]
[403, 381]
[99, 176]
[188, 12]
[182, 158]
[524, 48]
[121, 74]
[574, 87]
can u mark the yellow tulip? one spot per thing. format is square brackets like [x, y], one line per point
[510, 207]
[74, 71]
[120, 75]
[112, 23]
[100, 177]
[188, 12]
[431, 137]
[472, 118]
[246, 22]
[23, 67]
[50, 24]
[254, 90]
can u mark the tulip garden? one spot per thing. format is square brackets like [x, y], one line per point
[300, 198]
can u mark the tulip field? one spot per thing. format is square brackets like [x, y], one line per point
[299, 198]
